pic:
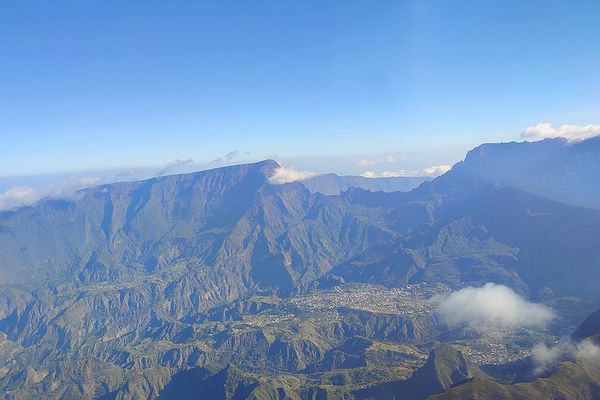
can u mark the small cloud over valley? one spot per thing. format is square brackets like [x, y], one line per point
[492, 306]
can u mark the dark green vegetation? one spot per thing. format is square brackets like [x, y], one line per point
[195, 285]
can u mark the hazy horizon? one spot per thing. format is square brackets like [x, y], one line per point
[344, 86]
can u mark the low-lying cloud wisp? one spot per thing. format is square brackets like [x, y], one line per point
[492, 306]
[436, 170]
[387, 159]
[20, 196]
[288, 174]
[389, 174]
[545, 357]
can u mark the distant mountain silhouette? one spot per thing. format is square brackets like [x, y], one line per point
[332, 184]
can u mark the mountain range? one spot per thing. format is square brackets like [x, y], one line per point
[189, 283]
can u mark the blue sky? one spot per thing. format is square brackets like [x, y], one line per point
[321, 84]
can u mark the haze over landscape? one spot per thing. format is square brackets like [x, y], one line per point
[300, 200]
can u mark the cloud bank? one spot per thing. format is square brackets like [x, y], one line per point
[288, 174]
[432, 171]
[569, 132]
[389, 174]
[492, 306]
[20, 196]
[387, 159]
[545, 358]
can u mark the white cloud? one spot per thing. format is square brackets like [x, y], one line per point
[87, 181]
[436, 170]
[389, 174]
[545, 357]
[569, 132]
[288, 174]
[389, 159]
[366, 163]
[432, 171]
[20, 196]
[492, 306]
